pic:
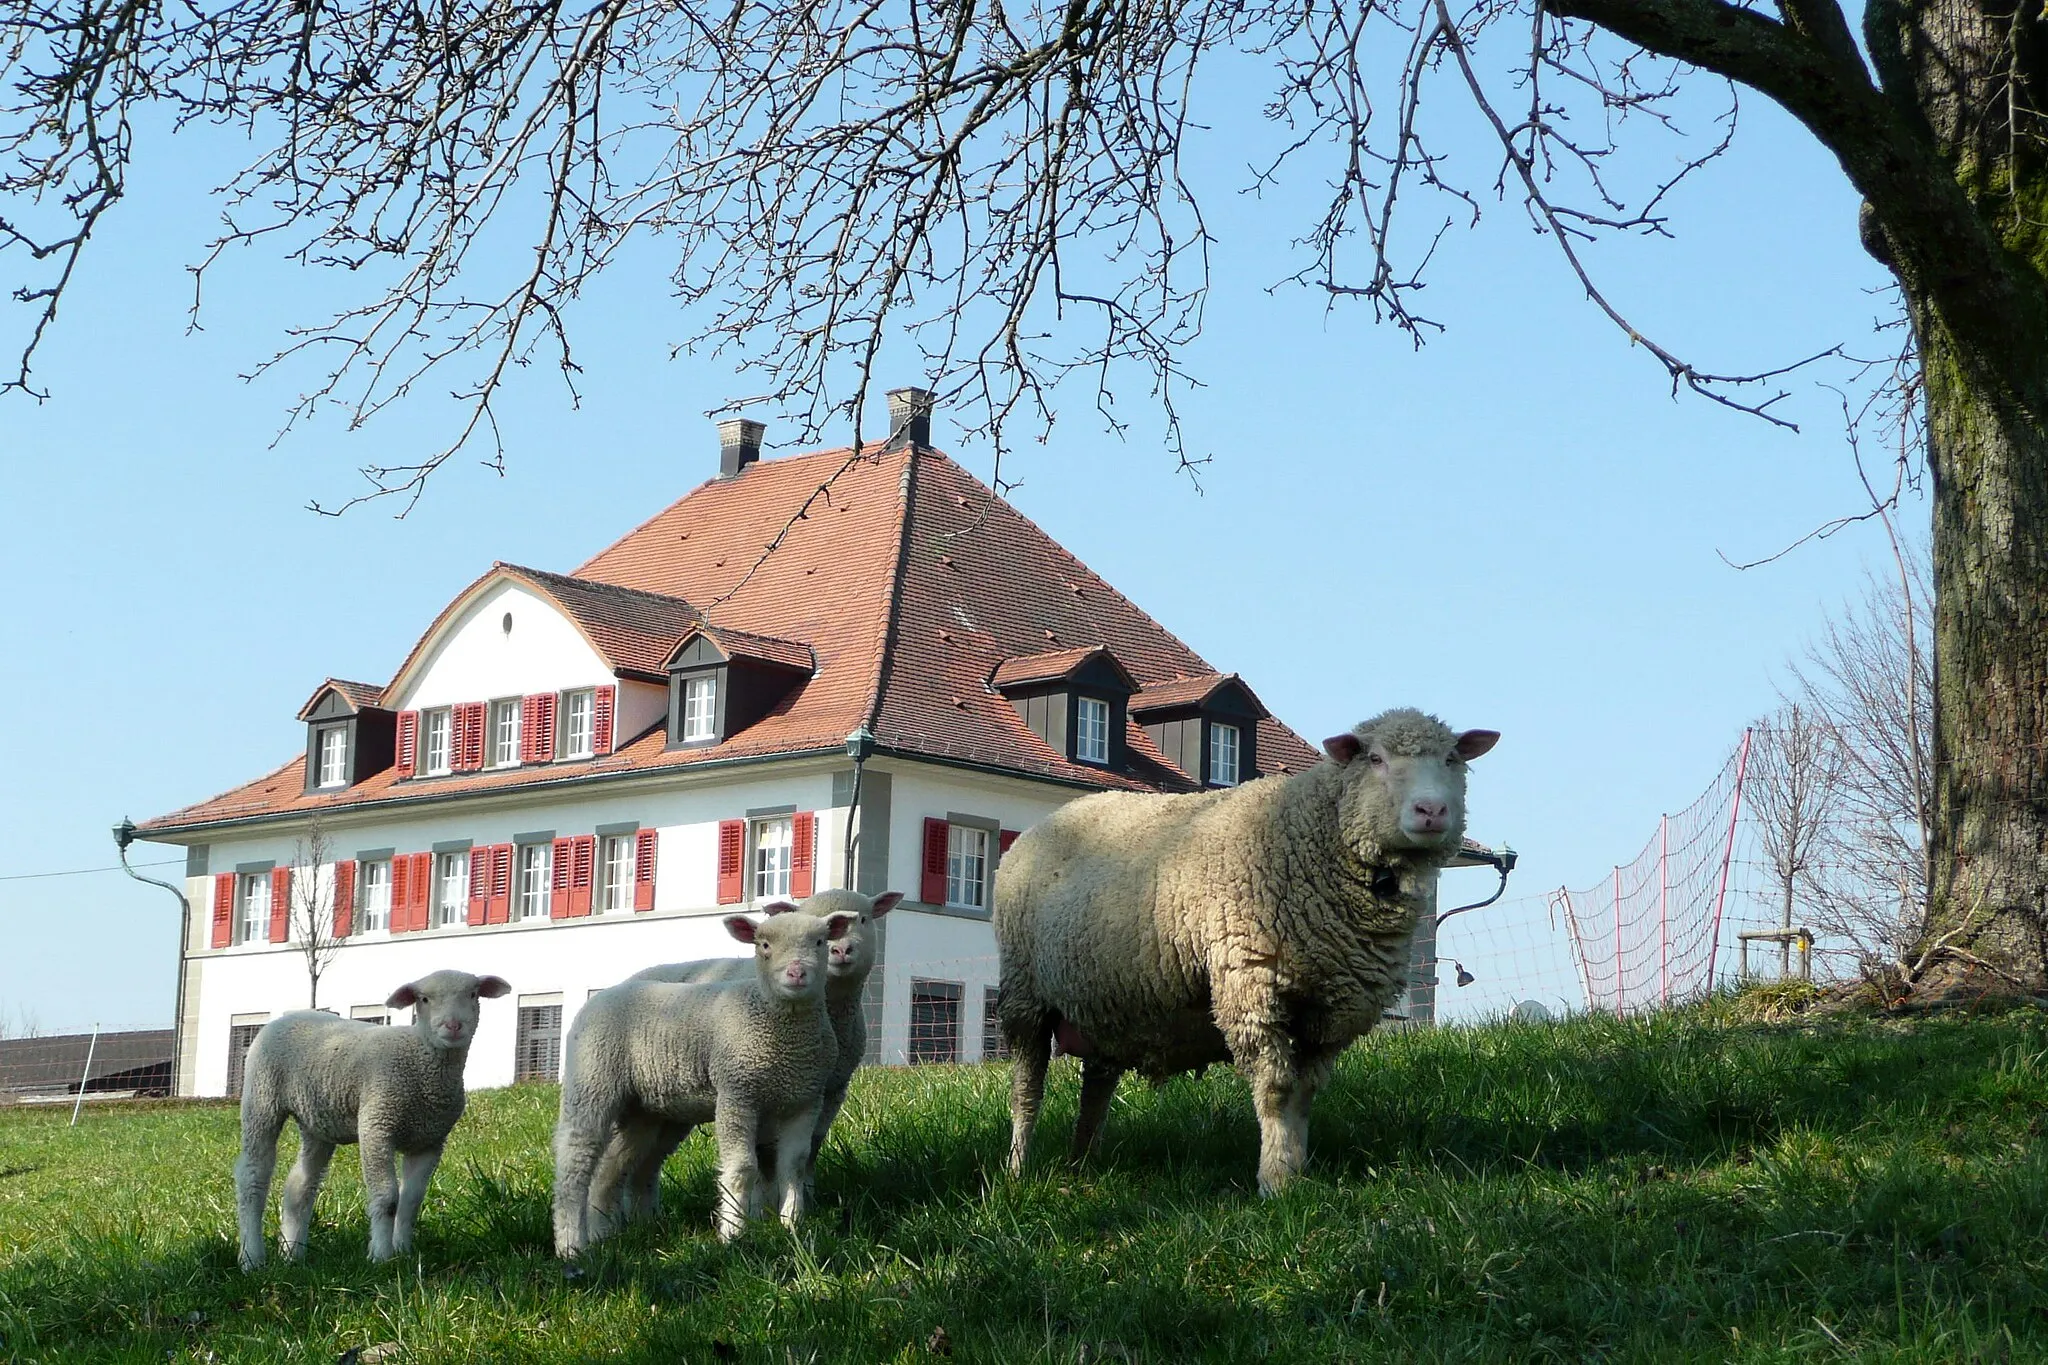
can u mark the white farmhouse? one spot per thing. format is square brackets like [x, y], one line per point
[574, 776]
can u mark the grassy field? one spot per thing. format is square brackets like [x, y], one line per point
[1682, 1187]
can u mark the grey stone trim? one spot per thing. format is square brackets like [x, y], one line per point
[196, 856]
[769, 812]
[454, 845]
[251, 869]
[376, 855]
[538, 836]
[871, 857]
[617, 827]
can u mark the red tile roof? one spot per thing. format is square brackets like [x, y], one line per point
[902, 577]
[743, 644]
[1060, 663]
[1189, 692]
[358, 695]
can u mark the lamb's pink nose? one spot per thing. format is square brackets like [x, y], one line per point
[452, 1027]
[1432, 814]
[795, 974]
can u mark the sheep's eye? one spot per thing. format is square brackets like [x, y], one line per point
[1451, 760]
[1375, 760]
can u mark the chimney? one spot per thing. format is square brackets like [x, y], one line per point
[910, 417]
[739, 444]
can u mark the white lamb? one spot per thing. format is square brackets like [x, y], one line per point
[1267, 925]
[756, 1055]
[635, 1173]
[392, 1090]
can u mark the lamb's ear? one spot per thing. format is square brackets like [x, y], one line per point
[1473, 743]
[1343, 748]
[778, 907]
[837, 925]
[491, 987]
[884, 903]
[740, 927]
[403, 998]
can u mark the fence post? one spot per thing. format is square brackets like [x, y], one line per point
[1727, 857]
[1664, 908]
[87, 1077]
[1620, 974]
[1571, 924]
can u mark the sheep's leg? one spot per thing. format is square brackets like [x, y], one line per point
[793, 1148]
[1267, 1061]
[1031, 1046]
[579, 1145]
[828, 1113]
[643, 1192]
[253, 1171]
[418, 1169]
[295, 1209]
[606, 1211]
[1098, 1088]
[739, 1169]
[380, 1191]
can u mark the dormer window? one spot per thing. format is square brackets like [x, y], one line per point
[349, 736]
[1073, 699]
[1207, 726]
[1091, 731]
[700, 708]
[1223, 748]
[436, 747]
[578, 712]
[331, 748]
[721, 681]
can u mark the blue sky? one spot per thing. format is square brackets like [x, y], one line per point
[1518, 527]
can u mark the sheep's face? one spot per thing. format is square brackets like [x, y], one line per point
[790, 950]
[446, 1005]
[1404, 780]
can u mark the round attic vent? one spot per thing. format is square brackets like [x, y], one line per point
[506, 624]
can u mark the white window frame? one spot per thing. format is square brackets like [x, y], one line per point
[505, 732]
[700, 707]
[1218, 731]
[451, 889]
[1091, 742]
[252, 925]
[967, 866]
[330, 752]
[578, 724]
[376, 896]
[437, 725]
[533, 880]
[772, 844]
[614, 890]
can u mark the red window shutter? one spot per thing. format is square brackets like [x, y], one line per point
[223, 909]
[529, 722]
[401, 893]
[1004, 838]
[344, 897]
[582, 872]
[732, 861]
[544, 727]
[559, 868]
[280, 904]
[933, 889]
[422, 889]
[601, 719]
[803, 848]
[469, 736]
[479, 885]
[643, 869]
[408, 742]
[498, 909]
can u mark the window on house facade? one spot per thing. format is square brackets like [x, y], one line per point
[578, 714]
[1091, 730]
[615, 873]
[436, 751]
[451, 889]
[370, 1014]
[994, 1047]
[239, 1038]
[966, 866]
[534, 869]
[772, 845]
[253, 925]
[333, 756]
[538, 1052]
[700, 708]
[505, 733]
[376, 895]
[934, 1021]
[1223, 755]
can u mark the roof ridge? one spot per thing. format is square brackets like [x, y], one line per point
[598, 584]
[886, 654]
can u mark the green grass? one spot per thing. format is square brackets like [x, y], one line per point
[1683, 1187]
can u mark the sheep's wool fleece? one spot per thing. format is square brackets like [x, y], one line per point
[1146, 920]
[335, 1074]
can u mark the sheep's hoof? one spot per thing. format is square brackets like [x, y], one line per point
[251, 1262]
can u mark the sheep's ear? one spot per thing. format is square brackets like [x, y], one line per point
[1473, 743]
[884, 903]
[491, 987]
[1342, 748]
[740, 927]
[837, 926]
[403, 998]
[778, 908]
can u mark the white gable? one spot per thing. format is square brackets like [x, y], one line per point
[473, 657]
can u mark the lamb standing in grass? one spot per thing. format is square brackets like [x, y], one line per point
[757, 1055]
[1267, 925]
[635, 1172]
[392, 1090]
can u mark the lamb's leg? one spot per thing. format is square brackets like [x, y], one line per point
[418, 1168]
[739, 1170]
[615, 1189]
[828, 1113]
[1098, 1088]
[1266, 1059]
[643, 1194]
[253, 1171]
[1031, 1046]
[380, 1191]
[301, 1187]
[793, 1159]
[579, 1144]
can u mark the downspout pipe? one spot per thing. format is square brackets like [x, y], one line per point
[124, 835]
[860, 746]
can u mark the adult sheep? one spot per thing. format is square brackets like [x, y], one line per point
[1267, 925]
